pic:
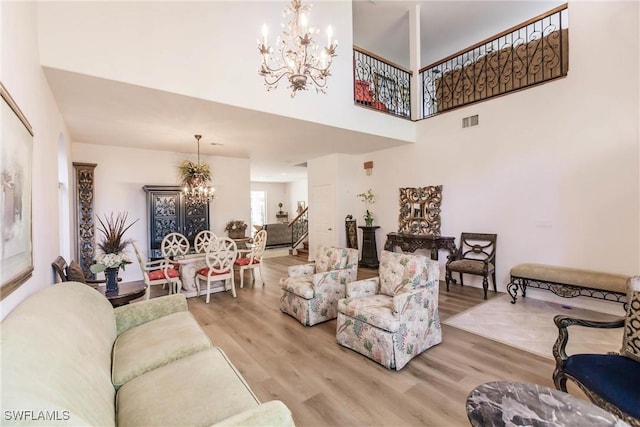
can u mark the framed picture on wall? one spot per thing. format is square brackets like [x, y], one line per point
[16, 150]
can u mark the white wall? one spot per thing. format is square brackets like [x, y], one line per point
[22, 75]
[553, 170]
[276, 192]
[339, 171]
[122, 172]
[297, 191]
[210, 52]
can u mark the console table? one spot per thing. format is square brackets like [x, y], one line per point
[411, 242]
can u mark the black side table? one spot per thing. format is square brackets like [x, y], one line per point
[126, 292]
[369, 248]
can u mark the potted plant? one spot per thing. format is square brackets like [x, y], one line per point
[112, 256]
[280, 212]
[193, 174]
[368, 198]
[236, 229]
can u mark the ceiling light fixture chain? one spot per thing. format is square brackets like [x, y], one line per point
[195, 178]
[297, 58]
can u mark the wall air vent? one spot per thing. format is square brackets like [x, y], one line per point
[470, 121]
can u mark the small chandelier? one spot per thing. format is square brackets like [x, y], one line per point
[297, 58]
[195, 179]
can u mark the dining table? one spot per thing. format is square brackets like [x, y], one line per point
[191, 263]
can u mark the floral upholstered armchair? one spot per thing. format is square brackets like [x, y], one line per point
[311, 292]
[394, 317]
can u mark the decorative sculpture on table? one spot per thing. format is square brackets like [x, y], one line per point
[420, 210]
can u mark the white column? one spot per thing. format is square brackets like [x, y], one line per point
[414, 61]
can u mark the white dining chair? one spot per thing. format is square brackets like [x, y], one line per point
[174, 246]
[253, 258]
[221, 254]
[159, 272]
[202, 240]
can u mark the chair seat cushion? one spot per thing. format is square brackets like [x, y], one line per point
[376, 310]
[246, 261]
[301, 286]
[206, 272]
[154, 344]
[159, 274]
[468, 266]
[615, 378]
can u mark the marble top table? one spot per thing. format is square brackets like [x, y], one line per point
[505, 403]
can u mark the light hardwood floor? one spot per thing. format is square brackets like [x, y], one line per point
[325, 384]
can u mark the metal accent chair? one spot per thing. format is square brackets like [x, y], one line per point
[160, 272]
[202, 240]
[611, 381]
[311, 292]
[394, 317]
[221, 254]
[253, 258]
[476, 255]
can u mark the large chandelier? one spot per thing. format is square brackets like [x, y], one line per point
[297, 57]
[195, 179]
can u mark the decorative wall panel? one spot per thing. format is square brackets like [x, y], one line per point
[85, 229]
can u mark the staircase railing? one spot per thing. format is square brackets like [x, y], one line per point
[299, 228]
[380, 84]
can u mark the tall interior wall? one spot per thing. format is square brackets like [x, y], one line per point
[553, 170]
[21, 74]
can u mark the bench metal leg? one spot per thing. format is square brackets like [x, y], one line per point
[512, 288]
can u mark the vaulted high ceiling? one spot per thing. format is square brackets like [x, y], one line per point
[146, 118]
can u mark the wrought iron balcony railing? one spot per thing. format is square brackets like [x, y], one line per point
[531, 53]
[381, 85]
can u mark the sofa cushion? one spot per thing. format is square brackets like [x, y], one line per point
[631, 340]
[155, 344]
[400, 271]
[56, 355]
[197, 390]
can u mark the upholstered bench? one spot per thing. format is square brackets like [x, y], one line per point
[567, 282]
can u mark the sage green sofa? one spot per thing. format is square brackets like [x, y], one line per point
[69, 358]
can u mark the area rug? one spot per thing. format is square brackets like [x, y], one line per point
[276, 252]
[528, 325]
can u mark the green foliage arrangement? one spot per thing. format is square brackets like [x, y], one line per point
[194, 173]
